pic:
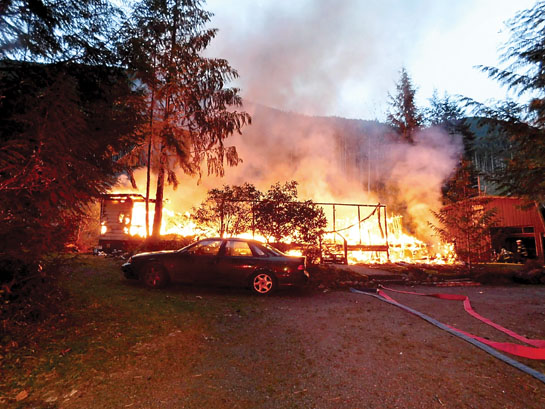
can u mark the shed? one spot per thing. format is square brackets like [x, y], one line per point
[116, 220]
[517, 219]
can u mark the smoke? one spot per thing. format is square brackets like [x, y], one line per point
[324, 57]
[334, 160]
[280, 147]
[419, 171]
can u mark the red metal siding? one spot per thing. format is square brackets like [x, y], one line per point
[510, 213]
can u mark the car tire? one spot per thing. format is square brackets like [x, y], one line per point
[154, 276]
[263, 283]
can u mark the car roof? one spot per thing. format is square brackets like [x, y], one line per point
[234, 239]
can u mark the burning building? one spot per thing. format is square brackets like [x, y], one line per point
[371, 237]
[120, 220]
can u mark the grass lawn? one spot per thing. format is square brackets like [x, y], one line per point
[104, 319]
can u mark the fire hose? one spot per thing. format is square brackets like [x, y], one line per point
[490, 347]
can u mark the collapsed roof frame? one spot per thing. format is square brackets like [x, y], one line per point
[346, 247]
[360, 247]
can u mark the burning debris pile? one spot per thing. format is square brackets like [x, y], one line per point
[296, 227]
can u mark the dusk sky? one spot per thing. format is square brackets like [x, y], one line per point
[342, 57]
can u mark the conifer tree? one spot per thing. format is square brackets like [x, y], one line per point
[446, 113]
[404, 116]
[66, 113]
[190, 110]
[524, 72]
[465, 218]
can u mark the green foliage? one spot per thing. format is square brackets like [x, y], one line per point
[275, 213]
[62, 127]
[521, 149]
[229, 210]
[465, 218]
[58, 30]
[189, 108]
[404, 116]
[448, 114]
[524, 56]
[467, 224]
[444, 112]
[462, 184]
[490, 146]
[279, 216]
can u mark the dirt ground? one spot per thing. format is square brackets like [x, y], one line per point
[333, 349]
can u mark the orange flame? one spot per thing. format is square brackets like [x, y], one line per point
[368, 234]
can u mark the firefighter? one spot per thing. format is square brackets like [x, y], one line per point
[522, 253]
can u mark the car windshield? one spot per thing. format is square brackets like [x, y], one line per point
[185, 248]
[208, 247]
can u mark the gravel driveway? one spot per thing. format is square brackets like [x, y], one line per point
[332, 350]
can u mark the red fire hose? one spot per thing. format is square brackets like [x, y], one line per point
[535, 352]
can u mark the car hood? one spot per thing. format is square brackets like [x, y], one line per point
[153, 253]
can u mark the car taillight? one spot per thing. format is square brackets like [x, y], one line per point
[301, 267]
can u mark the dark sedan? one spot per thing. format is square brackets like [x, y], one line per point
[216, 261]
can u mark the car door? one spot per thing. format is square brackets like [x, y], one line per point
[197, 263]
[236, 262]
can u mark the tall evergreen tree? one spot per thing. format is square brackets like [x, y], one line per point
[65, 114]
[190, 110]
[524, 59]
[61, 124]
[404, 116]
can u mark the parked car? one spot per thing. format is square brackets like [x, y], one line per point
[216, 261]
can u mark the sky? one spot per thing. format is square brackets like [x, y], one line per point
[343, 57]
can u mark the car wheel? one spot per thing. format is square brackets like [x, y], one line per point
[263, 283]
[154, 276]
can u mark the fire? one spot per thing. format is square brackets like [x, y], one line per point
[382, 245]
[367, 241]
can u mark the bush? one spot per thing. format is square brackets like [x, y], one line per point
[533, 272]
[167, 242]
[29, 293]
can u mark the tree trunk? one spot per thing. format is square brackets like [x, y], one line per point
[150, 145]
[148, 180]
[222, 227]
[158, 216]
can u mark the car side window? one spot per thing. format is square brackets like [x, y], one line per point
[205, 248]
[259, 251]
[237, 249]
